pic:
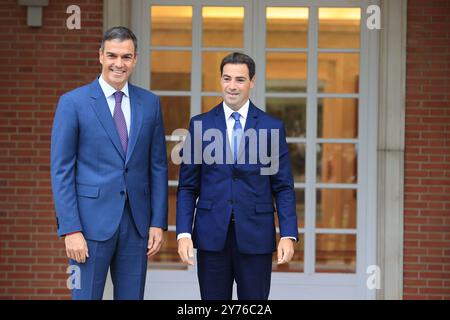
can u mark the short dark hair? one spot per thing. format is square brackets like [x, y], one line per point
[239, 58]
[119, 33]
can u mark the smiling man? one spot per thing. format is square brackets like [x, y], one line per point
[109, 174]
[226, 209]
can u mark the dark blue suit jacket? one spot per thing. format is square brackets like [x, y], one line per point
[91, 175]
[239, 188]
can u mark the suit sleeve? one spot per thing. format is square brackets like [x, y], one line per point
[63, 158]
[158, 173]
[189, 183]
[282, 184]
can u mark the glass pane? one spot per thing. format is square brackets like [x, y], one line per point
[339, 27]
[211, 70]
[338, 118]
[300, 207]
[297, 262]
[172, 205]
[210, 102]
[176, 113]
[170, 70]
[336, 163]
[336, 208]
[336, 253]
[171, 26]
[293, 113]
[287, 27]
[286, 72]
[338, 72]
[223, 27]
[297, 154]
[173, 153]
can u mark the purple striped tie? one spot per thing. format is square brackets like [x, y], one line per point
[119, 120]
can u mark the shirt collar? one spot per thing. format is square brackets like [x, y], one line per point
[108, 90]
[243, 111]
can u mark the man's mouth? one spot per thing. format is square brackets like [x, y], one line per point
[118, 72]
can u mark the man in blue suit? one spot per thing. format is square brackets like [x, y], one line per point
[230, 186]
[109, 174]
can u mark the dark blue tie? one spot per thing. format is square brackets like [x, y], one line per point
[236, 135]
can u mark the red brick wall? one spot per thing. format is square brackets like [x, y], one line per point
[427, 157]
[37, 66]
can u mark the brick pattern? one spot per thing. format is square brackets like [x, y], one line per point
[427, 154]
[38, 65]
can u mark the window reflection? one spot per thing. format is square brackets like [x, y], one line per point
[223, 27]
[171, 26]
[170, 70]
[293, 113]
[338, 72]
[336, 208]
[297, 155]
[287, 27]
[337, 118]
[176, 113]
[336, 253]
[336, 163]
[339, 27]
[286, 72]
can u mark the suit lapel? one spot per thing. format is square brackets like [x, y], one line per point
[136, 119]
[103, 113]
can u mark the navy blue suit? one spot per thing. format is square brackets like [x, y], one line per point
[216, 192]
[101, 191]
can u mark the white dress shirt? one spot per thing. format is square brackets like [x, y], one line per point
[243, 112]
[108, 91]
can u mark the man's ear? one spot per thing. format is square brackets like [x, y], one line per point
[100, 55]
[252, 82]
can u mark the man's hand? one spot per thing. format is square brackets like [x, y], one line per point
[285, 250]
[186, 251]
[155, 240]
[76, 247]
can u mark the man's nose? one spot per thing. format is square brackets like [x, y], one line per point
[232, 85]
[118, 62]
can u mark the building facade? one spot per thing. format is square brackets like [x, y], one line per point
[362, 86]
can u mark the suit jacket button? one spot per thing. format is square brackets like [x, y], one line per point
[122, 192]
[230, 201]
[126, 170]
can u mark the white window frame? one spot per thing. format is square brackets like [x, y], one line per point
[386, 164]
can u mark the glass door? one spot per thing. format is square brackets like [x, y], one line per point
[311, 72]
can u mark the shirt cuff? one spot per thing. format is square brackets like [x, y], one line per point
[68, 234]
[292, 238]
[184, 235]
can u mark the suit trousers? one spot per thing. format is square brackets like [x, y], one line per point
[124, 254]
[217, 272]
